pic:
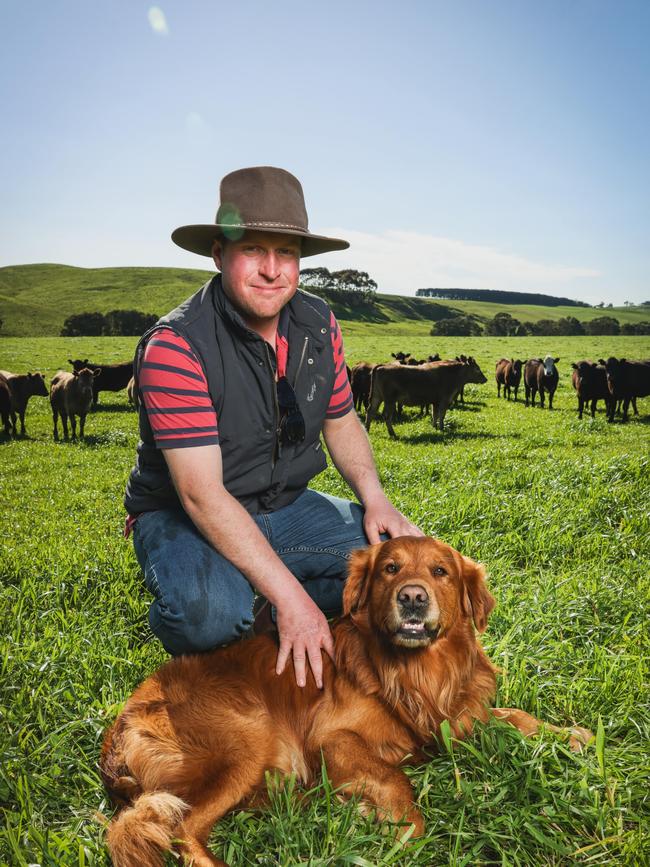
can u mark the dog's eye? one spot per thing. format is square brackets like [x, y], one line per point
[438, 571]
[392, 568]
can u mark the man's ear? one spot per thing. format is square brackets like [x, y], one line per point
[477, 601]
[217, 253]
[357, 586]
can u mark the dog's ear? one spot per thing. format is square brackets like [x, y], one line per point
[477, 601]
[357, 586]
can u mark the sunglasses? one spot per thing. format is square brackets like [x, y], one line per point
[292, 424]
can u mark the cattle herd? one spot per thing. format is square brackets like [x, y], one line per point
[72, 395]
[436, 385]
[432, 384]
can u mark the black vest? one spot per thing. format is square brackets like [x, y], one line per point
[261, 473]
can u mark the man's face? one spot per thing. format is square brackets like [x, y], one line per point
[259, 274]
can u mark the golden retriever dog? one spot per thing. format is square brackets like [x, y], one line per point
[195, 739]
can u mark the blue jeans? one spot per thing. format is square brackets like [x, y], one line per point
[201, 600]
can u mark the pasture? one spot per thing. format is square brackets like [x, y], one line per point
[556, 507]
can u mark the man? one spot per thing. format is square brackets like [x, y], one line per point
[236, 387]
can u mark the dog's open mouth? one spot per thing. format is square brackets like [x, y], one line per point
[417, 631]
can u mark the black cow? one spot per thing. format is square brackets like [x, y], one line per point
[541, 376]
[110, 377]
[590, 383]
[626, 381]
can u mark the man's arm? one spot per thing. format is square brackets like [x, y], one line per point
[349, 447]
[198, 478]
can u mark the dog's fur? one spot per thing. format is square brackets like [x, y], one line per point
[195, 739]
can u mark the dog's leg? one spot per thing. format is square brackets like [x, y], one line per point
[352, 767]
[528, 725]
[208, 806]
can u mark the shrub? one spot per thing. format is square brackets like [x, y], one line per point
[84, 325]
[603, 325]
[456, 326]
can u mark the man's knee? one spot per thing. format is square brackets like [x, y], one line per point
[191, 632]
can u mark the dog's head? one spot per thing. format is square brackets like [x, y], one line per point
[414, 589]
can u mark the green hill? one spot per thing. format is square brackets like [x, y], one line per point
[35, 300]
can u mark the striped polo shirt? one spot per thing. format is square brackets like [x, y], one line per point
[174, 390]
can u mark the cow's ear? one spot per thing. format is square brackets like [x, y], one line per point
[96, 371]
[70, 361]
[477, 601]
[574, 366]
[357, 586]
[622, 360]
[603, 362]
[555, 360]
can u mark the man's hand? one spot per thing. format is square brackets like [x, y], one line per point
[304, 633]
[382, 517]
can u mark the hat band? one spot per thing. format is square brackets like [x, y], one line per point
[265, 223]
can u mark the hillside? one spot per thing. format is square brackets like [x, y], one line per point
[35, 300]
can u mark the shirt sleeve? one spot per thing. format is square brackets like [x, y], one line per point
[341, 401]
[174, 391]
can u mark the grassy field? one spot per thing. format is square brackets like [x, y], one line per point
[557, 508]
[35, 300]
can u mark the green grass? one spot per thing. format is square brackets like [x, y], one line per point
[35, 300]
[557, 508]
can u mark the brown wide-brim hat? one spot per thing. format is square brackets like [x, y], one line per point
[262, 199]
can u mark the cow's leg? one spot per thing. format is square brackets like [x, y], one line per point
[370, 414]
[22, 422]
[73, 423]
[550, 399]
[529, 725]
[527, 390]
[95, 396]
[626, 406]
[633, 402]
[356, 771]
[498, 389]
[82, 423]
[389, 409]
[55, 419]
[64, 423]
[581, 406]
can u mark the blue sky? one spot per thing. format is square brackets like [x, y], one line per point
[461, 143]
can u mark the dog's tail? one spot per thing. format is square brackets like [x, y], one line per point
[141, 833]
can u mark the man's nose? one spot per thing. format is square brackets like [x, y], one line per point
[270, 265]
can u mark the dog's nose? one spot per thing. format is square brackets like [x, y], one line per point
[413, 594]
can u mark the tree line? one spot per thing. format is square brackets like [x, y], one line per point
[115, 323]
[355, 288]
[506, 325]
[500, 296]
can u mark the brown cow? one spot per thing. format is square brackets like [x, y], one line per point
[22, 386]
[133, 394]
[436, 383]
[111, 377]
[5, 405]
[541, 376]
[360, 384]
[590, 383]
[71, 395]
[626, 381]
[508, 374]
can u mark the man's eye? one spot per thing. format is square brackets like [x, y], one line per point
[288, 252]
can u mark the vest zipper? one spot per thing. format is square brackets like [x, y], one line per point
[276, 446]
[302, 358]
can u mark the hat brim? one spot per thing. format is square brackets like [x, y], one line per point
[200, 239]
